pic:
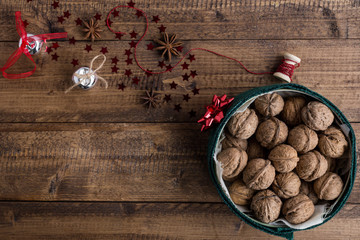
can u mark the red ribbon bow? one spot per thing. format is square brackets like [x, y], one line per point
[23, 50]
[214, 111]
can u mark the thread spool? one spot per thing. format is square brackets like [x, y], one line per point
[286, 69]
[33, 47]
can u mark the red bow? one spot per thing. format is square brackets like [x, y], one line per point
[23, 50]
[214, 111]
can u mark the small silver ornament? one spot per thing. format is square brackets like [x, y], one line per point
[88, 81]
[34, 46]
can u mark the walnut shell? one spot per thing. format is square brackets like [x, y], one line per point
[332, 142]
[233, 142]
[269, 105]
[233, 161]
[303, 139]
[271, 133]
[331, 164]
[329, 186]
[311, 166]
[291, 113]
[258, 174]
[298, 209]
[284, 158]
[239, 193]
[243, 124]
[254, 150]
[266, 206]
[286, 185]
[307, 189]
[317, 116]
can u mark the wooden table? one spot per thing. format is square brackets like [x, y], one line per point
[97, 164]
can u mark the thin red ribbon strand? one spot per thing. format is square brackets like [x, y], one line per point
[23, 50]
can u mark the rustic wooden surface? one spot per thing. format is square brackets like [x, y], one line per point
[97, 165]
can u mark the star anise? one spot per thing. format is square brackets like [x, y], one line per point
[152, 99]
[93, 30]
[168, 45]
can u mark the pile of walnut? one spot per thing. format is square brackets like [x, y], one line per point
[280, 170]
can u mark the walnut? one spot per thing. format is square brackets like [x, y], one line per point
[307, 189]
[254, 150]
[266, 206]
[329, 186]
[298, 209]
[302, 138]
[331, 164]
[311, 166]
[269, 105]
[284, 158]
[291, 113]
[317, 116]
[239, 193]
[271, 133]
[258, 174]
[234, 142]
[286, 185]
[332, 143]
[243, 124]
[233, 161]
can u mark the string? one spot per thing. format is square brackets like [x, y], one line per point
[90, 73]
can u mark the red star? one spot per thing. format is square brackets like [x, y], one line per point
[177, 107]
[119, 35]
[72, 40]
[133, 34]
[78, 22]
[128, 61]
[180, 48]
[186, 97]
[193, 73]
[162, 64]
[156, 19]
[114, 69]
[169, 68]
[97, 16]
[185, 66]
[67, 14]
[185, 77]
[28, 1]
[108, 21]
[173, 85]
[131, 3]
[128, 52]
[114, 60]
[25, 23]
[148, 74]
[167, 98]
[55, 4]
[48, 50]
[196, 91]
[55, 45]
[192, 113]
[150, 46]
[191, 57]
[55, 57]
[132, 44]
[121, 86]
[88, 48]
[128, 72]
[104, 50]
[136, 80]
[61, 19]
[162, 28]
[139, 14]
[75, 62]
[115, 13]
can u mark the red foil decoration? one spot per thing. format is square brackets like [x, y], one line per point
[23, 50]
[215, 111]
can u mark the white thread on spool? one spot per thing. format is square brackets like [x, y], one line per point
[294, 60]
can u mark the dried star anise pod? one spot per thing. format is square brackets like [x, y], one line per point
[151, 99]
[93, 30]
[168, 45]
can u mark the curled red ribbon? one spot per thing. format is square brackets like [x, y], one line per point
[215, 111]
[23, 50]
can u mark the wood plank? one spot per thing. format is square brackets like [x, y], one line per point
[43, 220]
[329, 67]
[108, 162]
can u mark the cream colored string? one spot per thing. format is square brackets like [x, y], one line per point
[90, 73]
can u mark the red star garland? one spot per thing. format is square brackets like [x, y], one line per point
[214, 111]
[61, 19]
[54, 57]
[128, 72]
[191, 57]
[55, 4]
[173, 85]
[169, 67]
[55, 45]
[104, 50]
[193, 74]
[196, 91]
[115, 13]
[180, 48]
[114, 69]
[121, 86]
[167, 98]
[162, 64]
[119, 35]
[162, 28]
[148, 73]
[67, 14]
[128, 61]
[185, 77]
[150, 46]
[131, 3]
[177, 107]
[136, 80]
[97, 16]
[139, 14]
[75, 62]
[88, 48]
[78, 22]
[133, 34]
[185, 66]
[114, 60]
[186, 97]
[28, 1]
[192, 113]
[48, 50]
[128, 52]
[72, 40]
[132, 44]
[156, 19]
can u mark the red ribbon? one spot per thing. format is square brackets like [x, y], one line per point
[214, 111]
[23, 50]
